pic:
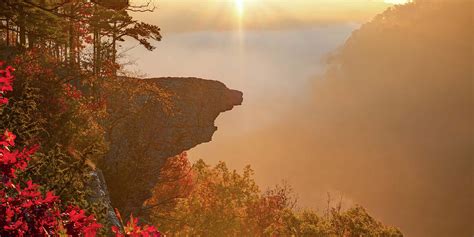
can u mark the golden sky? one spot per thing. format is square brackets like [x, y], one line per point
[216, 15]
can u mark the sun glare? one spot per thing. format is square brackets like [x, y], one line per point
[239, 6]
[397, 1]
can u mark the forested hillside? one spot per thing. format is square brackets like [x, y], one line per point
[399, 96]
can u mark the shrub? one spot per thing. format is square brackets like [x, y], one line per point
[25, 210]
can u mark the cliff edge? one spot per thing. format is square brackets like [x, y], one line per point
[162, 118]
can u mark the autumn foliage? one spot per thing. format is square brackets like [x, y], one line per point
[218, 201]
[133, 229]
[5, 83]
[25, 210]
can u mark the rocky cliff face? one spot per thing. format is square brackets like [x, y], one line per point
[165, 117]
[195, 104]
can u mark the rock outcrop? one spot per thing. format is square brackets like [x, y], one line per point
[195, 104]
[100, 194]
[164, 118]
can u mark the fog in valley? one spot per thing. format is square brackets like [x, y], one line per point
[380, 117]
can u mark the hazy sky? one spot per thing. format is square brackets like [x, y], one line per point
[216, 15]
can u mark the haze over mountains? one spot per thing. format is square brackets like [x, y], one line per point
[392, 118]
[388, 126]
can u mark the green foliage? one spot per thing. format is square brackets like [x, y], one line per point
[21, 116]
[43, 111]
[70, 178]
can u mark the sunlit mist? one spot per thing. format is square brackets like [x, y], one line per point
[397, 1]
[239, 5]
[387, 127]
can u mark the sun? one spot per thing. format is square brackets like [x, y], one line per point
[239, 7]
[398, 2]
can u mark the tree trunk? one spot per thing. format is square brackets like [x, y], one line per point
[8, 32]
[21, 24]
[114, 48]
[31, 41]
[96, 51]
[72, 47]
